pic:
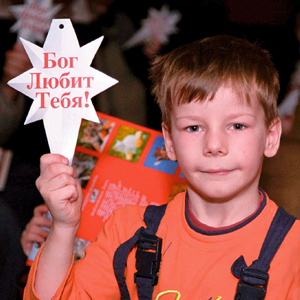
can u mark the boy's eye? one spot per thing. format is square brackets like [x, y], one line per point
[238, 126]
[193, 128]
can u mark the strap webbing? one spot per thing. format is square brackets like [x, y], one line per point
[281, 224]
[119, 263]
[152, 217]
[144, 288]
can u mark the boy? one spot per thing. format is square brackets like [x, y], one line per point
[218, 101]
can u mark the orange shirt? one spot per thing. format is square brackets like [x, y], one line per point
[194, 265]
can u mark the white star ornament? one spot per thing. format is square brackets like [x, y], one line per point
[62, 83]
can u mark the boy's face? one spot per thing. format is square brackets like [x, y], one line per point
[220, 144]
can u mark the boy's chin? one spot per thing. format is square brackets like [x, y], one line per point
[220, 194]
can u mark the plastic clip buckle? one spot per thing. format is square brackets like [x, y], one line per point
[249, 289]
[148, 257]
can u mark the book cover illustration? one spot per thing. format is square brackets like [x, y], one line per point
[119, 163]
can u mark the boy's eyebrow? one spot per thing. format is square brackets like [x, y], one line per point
[230, 116]
[242, 115]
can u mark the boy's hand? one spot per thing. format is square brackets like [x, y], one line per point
[62, 193]
[61, 190]
[34, 231]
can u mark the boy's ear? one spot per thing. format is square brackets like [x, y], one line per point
[168, 142]
[273, 138]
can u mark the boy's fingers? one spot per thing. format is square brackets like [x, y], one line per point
[48, 159]
[40, 210]
[37, 234]
[69, 193]
[36, 224]
[29, 237]
[58, 192]
[55, 183]
[56, 176]
[41, 221]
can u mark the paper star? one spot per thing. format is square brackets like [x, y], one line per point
[62, 84]
[33, 19]
[159, 25]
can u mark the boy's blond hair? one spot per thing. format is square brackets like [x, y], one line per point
[197, 70]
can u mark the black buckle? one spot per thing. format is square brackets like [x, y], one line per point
[148, 257]
[252, 285]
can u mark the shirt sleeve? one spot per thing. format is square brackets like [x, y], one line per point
[294, 292]
[29, 292]
[92, 277]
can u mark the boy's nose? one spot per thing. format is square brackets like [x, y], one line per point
[215, 143]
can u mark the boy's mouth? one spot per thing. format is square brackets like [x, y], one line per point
[219, 172]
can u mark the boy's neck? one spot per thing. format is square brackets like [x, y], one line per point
[223, 213]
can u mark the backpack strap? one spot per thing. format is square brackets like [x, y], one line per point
[254, 279]
[148, 255]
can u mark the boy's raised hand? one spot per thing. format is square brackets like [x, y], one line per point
[61, 190]
[62, 193]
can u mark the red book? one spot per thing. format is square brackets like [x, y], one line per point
[119, 163]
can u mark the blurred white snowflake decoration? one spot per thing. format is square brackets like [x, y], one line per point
[158, 26]
[33, 19]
